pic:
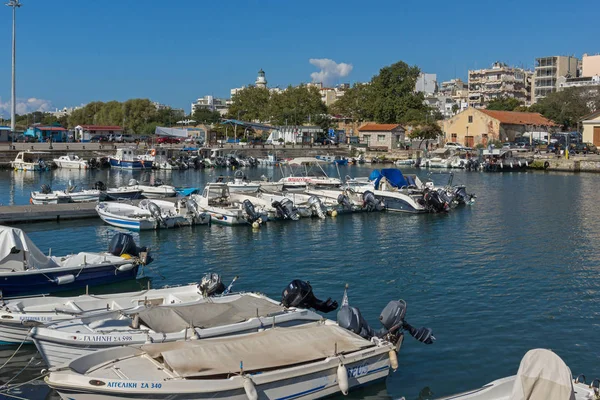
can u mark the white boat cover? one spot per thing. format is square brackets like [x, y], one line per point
[19, 253]
[84, 258]
[542, 375]
[172, 132]
[168, 319]
[272, 348]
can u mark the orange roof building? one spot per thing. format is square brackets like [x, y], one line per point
[380, 136]
[476, 126]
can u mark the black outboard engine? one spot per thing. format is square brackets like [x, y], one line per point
[344, 201]
[285, 209]
[156, 212]
[211, 284]
[300, 294]
[370, 201]
[100, 186]
[434, 202]
[93, 163]
[123, 243]
[251, 213]
[158, 182]
[46, 189]
[392, 319]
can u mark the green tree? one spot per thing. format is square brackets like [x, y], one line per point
[394, 95]
[206, 116]
[455, 108]
[568, 106]
[296, 105]
[250, 104]
[428, 131]
[356, 103]
[504, 104]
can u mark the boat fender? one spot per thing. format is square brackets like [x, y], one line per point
[126, 256]
[63, 280]
[250, 389]
[334, 213]
[501, 165]
[393, 359]
[519, 163]
[125, 267]
[511, 165]
[342, 377]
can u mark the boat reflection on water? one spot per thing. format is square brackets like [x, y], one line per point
[26, 364]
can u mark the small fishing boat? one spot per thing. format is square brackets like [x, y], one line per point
[25, 270]
[542, 375]
[151, 214]
[30, 161]
[157, 190]
[61, 342]
[308, 360]
[71, 161]
[128, 158]
[17, 316]
[216, 201]
[100, 192]
[241, 184]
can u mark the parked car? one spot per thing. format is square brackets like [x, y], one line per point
[584, 148]
[453, 146]
[99, 138]
[507, 145]
[167, 140]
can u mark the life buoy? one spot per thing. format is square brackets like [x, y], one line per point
[153, 152]
[546, 165]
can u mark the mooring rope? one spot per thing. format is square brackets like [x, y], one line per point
[15, 353]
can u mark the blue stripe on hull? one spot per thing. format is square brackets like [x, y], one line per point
[32, 284]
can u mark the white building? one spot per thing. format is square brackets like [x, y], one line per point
[211, 103]
[261, 81]
[62, 112]
[426, 83]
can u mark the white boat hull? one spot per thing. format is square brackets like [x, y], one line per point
[22, 166]
[71, 164]
[13, 333]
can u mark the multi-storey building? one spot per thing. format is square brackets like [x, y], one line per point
[499, 81]
[546, 74]
[211, 103]
[426, 83]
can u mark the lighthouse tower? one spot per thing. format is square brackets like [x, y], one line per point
[261, 81]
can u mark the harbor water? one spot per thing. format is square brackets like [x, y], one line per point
[517, 270]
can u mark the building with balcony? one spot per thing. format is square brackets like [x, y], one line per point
[211, 103]
[546, 74]
[499, 81]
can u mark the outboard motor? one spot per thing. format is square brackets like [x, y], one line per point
[211, 284]
[434, 203]
[100, 186]
[158, 182]
[156, 212]
[371, 203]
[192, 206]
[285, 209]
[251, 213]
[93, 163]
[392, 319]
[299, 294]
[46, 189]
[344, 201]
[123, 243]
[315, 204]
[133, 182]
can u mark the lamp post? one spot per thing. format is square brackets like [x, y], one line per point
[13, 108]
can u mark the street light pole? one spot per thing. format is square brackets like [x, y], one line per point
[13, 109]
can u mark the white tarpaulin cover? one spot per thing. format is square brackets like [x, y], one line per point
[542, 376]
[16, 247]
[272, 348]
[173, 132]
[167, 319]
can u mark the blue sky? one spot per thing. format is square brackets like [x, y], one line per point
[71, 52]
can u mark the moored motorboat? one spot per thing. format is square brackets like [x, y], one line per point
[25, 270]
[241, 184]
[156, 190]
[128, 158]
[542, 375]
[71, 161]
[18, 315]
[30, 161]
[216, 201]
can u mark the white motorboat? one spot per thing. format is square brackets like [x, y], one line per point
[25, 270]
[345, 200]
[17, 316]
[542, 375]
[157, 190]
[243, 185]
[435, 162]
[48, 196]
[307, 171]
[216, 201]
[71, 161]
[151, 214]
[408, 161]
[128, 158]
[29, 161]
[307, 360]
[61, 342]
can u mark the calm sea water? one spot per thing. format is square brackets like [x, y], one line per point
[517, 270]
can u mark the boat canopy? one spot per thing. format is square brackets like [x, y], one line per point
[394, 177]
[542, 375]
[169, 319]
[306, 161]
[19, 253]
[273, 348]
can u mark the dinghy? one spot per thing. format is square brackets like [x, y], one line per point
[542, 375]
[310, 360]
[241, 184]
[17, 316]
[152, 214]
[25, 270]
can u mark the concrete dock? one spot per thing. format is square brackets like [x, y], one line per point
[50, 212]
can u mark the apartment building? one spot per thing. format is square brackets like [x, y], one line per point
[546, 74]
[497, 82]
[211, 103]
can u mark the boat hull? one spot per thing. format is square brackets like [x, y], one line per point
[21, 166]
[71, 164]
[399, 203]
[43, 281]
[13, 333]
[137, 164]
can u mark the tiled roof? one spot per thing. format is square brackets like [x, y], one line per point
[519, 118]
[590, 116]
[102, 127]
[49, 128]
[379, 127]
